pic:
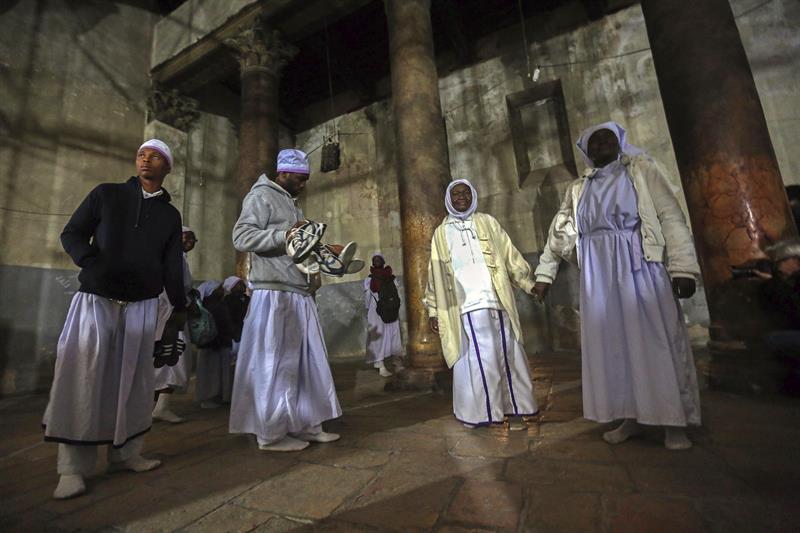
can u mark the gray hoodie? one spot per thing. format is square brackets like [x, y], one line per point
[268, 212]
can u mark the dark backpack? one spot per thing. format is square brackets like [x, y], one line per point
[388, 307]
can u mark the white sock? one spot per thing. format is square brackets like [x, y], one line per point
[69, 486]
[629, 428]
[675, 438]
[320, 436]
[286, 444]
[382, 370]
[162, 412]
[137, 463]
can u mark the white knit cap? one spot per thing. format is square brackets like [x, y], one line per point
[291, 160]
[160, 147]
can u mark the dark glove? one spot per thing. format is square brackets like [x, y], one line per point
[683, 287]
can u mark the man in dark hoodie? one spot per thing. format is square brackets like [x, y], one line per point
[283, 389]
[126, 238]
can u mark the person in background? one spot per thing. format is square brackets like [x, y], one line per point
[383, 339]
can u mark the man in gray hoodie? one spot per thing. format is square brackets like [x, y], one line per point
[283, 389]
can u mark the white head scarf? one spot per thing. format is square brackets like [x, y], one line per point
[160, 147]
[230, 282]
[207, 287]
[187, 229]
[449, 204]
[616, 129]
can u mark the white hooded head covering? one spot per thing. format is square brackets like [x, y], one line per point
[207, 287]
[291, 160]
[616, 129]
[160, 147]
[449, 204]
[230, 282]
[187, 229]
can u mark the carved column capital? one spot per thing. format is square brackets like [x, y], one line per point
[261, 48]
[171, 107]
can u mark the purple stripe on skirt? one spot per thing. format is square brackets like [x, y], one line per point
[508, 368]
[480, 365]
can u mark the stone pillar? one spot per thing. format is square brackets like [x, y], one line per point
[730, 175]
[262, 54]
[423, 169]
[170, 116]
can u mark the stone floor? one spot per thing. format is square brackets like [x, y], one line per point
[404, 464]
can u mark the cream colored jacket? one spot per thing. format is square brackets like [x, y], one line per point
[665, 234]
[506, 266]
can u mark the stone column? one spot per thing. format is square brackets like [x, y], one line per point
[423, 169]
[262, 54]
[730, 175]
[170, 116]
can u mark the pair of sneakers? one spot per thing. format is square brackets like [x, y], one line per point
[304, 245]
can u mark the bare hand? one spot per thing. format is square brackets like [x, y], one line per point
[762, 275]
[683, 287]
[433, 322]
[540, 289]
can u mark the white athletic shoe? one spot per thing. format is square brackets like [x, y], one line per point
[302, 241]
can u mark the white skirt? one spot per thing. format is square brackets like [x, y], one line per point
[283, 383]
[383, 340]
[214, 374]
[176, 376]
[491, 379]
[102, 390]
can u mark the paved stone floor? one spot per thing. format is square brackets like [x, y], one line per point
[404, 464]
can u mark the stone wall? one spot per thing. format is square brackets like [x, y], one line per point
[74, 79]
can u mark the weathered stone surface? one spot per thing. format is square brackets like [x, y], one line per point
[495, 504]
[453, 479]
[308, 491]
[397, 500]
[230, 518]
[638, 512]
[561, 510]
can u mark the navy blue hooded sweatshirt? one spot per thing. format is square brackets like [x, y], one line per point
[128, 247]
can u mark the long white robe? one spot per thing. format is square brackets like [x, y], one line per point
[282, 382]
[383, 340]
[491, 377]
[637, 359]
[102, 390]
